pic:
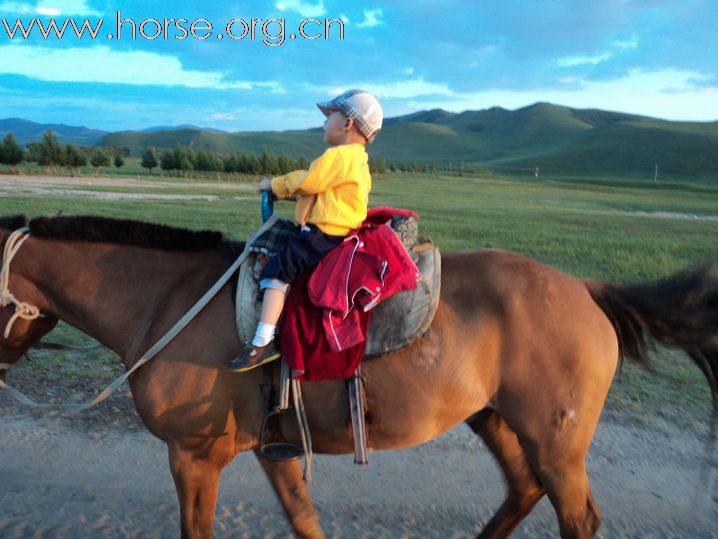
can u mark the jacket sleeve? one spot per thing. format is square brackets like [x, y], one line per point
[322, 172]
[284, 186]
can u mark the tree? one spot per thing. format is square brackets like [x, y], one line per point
[180, 158]
[10, 152]
[167, 161]
[381, 166]
[206, 162]
[249, 163]
[74, 158]
[149, 159]
[122, 151]
[372, 165]
[302, 163]
[285, 163]
[50, 153]
[268, 163]
[99, 159]
[185, 163]
[119, 161]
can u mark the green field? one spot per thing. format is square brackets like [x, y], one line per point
[617, 231]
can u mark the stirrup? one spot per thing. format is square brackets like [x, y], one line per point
[281, 450]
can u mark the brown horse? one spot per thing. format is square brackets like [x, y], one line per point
[520, 351]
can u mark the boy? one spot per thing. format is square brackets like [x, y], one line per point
[332, 198]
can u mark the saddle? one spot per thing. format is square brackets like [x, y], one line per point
[394, 323]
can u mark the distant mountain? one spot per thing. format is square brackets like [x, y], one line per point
[559, 140]
[179, 127]
[26, 131]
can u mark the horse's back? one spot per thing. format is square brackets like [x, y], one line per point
[511, 285]
[558, 350]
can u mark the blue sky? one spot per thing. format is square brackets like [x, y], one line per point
[652, 57]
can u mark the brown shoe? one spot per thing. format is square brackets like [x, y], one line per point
[254, 356]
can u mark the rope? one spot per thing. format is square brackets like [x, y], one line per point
[19, 396]
[158, 346]
[303, 429]
[284, 384]
[23, 310]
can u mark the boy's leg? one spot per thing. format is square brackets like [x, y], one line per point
[272, 306]
[301, 253]
[263, 348]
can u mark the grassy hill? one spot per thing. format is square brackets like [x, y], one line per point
[294, 142]
[561, 141]
[26, 131]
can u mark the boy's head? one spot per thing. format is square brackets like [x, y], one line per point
[362, 108]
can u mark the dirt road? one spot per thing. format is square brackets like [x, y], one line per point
[58, 480]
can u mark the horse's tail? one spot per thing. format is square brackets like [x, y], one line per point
[680, 311]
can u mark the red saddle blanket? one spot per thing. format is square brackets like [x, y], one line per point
[323, 331]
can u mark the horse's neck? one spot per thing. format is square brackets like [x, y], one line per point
[116, 293]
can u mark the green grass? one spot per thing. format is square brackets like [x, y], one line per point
[588, 227]
[585, 229]
[79, 365]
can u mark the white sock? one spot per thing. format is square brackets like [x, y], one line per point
[264, 334]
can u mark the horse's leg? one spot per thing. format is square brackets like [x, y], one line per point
[196, 479]
[556, 448]
[566, 483]
[524, 488]
[286, 478]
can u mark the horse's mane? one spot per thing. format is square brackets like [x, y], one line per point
[12, 222]
[121, 232]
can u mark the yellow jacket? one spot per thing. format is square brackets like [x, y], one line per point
[334, 193]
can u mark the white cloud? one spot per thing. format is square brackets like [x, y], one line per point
[407, 89]
[404, 89]
[305, 9]
[344, 18]
[372, 17]
[51, 8]
[615, 48]
[222, 116]
[571, 61]
[630, 43]
[105, 65]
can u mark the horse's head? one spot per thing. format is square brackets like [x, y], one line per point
[18, 296]
[23, 335]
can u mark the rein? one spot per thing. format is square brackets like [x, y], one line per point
[23, 310]
[153, 351]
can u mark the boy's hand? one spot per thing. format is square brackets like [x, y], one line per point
[265, 184]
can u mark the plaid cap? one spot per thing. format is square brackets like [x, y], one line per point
[362, 107]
